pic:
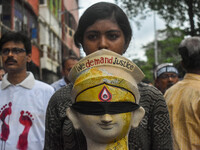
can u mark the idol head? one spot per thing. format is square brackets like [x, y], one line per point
[105, 96]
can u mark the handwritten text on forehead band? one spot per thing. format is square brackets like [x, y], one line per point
[105, 60]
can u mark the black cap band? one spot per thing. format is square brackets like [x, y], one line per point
[101, 108]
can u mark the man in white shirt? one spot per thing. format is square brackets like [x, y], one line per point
[23, 99]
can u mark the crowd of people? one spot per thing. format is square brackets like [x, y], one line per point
[36, 116]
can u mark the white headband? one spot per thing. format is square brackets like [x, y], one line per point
[167, 67]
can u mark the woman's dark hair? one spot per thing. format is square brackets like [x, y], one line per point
[100, 11]
[17, 37]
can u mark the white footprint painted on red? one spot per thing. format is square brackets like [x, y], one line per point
[4, 112]
[26, 120]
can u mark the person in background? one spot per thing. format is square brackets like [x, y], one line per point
[183, 99]
[67, 64]
[2, 72]
[147, 82]
[23, 99]
[165, 76]
[105, 26]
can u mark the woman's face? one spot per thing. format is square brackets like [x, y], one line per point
[104, 34]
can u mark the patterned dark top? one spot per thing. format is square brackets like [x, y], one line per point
[153, 133]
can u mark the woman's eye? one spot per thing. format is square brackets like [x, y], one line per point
[92, 36]
[113, 36]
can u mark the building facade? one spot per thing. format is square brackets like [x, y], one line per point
[50, 27]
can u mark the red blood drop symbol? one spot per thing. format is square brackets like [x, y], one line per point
[105, 95]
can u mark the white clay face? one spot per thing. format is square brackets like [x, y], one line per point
[105, 128]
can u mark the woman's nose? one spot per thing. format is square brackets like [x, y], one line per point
[103, 44]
